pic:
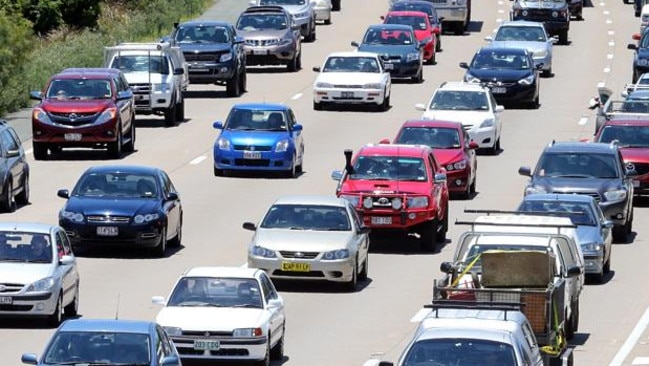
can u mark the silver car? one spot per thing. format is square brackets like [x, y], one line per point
[529, 35]
[38, 272]
[311, 238]
[303, 12]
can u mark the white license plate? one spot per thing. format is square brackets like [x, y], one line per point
[198, 69]
[107, 230]
[381, 220]
[259, 52]
[498, 90]
[636, 183]
[347, 95]
[72, 137]
[252, 155]
[207, 345]
[388, 66]
[6, 300]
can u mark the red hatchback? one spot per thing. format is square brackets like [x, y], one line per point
[453, 149]
[87, 108]
[633, 142]
[397, 187]
[420, 23]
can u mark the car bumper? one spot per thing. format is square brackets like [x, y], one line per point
[36, 304]
[458, 180]
[147, 103]
[86, 235]
[404, 69]
[348, 96]
[615, 211]
[232, 349]
[641, 184]
[394, 220]
[274, 55]
[515, 93]
[485, 136]
[452, 13]
[335, 270]
[322, 13]
[210, 72]
[267, 160]
[594, 263]
[66, 136]
[546, 61]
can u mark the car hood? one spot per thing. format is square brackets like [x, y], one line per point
[263, 34]
[210, 318]
[143, 77]
[111, 206]
[422, 34]
[467, 118]
[635, 154]
[349, 77]
[293, 9]
[529, 45]
[77, 106]
[302, 240]
[388, 49]
[575, 185]
[588, 234]
[24, 273]
[204, 47]
[445, 156]
[500, 74]
[257, 138]
[384, 187]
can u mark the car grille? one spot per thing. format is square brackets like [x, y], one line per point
[141, 88]
[10, 287]
[204, 334]
[252, 147]
[538, 15]
[394, 58]
[641, 168]
[261, 42]
[221, 352]
[301, 255]
[252, 162]
[595, 195]
[109, 219]
[202, 56]
[384, 202]
[73, 119]
[343, 86]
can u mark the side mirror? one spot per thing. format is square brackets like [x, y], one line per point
[316, 68]
[440, 178]
[385, 363]
[172, 196]
[464, 65]
[421, 44]
[158, 300]
[593, 103]
[420, 107]
[170, 361]
[63, 193]
[440, 19]
[384, 142]
[239, 39]
[355, 44]
[297, 127]
[446, 267]
[363, 230]
[218, 125]
[66, 260]
[608, 224]
[525, 170]
[126, 94]
[500, 108]
[179, 71]
[632, 46]
[29, 358]
[473, 145]
[275, 303]
[624, 94]
[573, 271]
[295, 26]
[13, 153]
[249, 226]
[553, 39]
[489, 38]
[336, 175]
[36, 94]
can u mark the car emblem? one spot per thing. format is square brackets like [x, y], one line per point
[252, 148]
[384, 201]
[499, 83]
[3, 288]
[630, 166]
[73, 116]
[299, 254]
[207, 334]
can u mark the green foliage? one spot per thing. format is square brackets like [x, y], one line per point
[14, 51]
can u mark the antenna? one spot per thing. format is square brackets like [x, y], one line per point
[117, 309]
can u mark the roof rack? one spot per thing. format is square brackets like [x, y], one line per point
[512, 224]
[262, 8]
[532, 213]
[474, 305]
[146, 46]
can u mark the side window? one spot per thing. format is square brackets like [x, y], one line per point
[166, 184]
[14, 137]
[8, 142]
[566, 253]
[622, 165]
[63, 244]
[467, 139]
[493, 101]
[355, 218]
[291, 119]
[269, 289]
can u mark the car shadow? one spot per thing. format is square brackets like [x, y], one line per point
[641, 201]
[124, 252]
[299, 286]
[351, 108]
[579, 339]
[274, 69]
[85, 155]
[591, 281]
[205, 94]
[257, 174]
[400, 243]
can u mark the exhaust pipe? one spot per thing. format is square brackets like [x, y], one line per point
[348, 161]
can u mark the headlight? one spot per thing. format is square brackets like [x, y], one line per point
[282, 145]
[616, 195]
[143, 219]
[534, 190]
[397, 203]
[489, 122]
[284, 42]
[470, 78]
[323, 85]
[161, 88]
[223, 143]
[417, 202]
[226, 57]
[173, 331]
[373, 86]
[413, 56]
[106, 116]
[41, 115]
[41, 285]
[460, 165]
[368, 202]
[303, 14]
[540, 53]
[527, 81]
[247, 332]
[72, 216]
[643, 61]
[592, 247]
[258, 251]
[335, 254]
[353, 200]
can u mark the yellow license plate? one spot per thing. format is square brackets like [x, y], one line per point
[296, 267]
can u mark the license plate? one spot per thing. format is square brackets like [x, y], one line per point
[388, 66]
[296, 267]
[636, 183]
[107, 231]
[206, 345]
[346, 94]
[381, 220]
[141, 97]
[6, 300]
[72, 137]
[259, 52]
[498, 90]
[252, 155]
[198, 69]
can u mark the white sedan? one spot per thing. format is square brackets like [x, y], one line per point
[352, 78]
[322, 10]
[224, 314]
[311, 238]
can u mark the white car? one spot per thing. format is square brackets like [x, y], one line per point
[322, 10]
[311, 238]
[224, 314]
[471, 104]
[352, 78]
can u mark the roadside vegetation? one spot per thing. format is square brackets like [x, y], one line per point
[43, 37]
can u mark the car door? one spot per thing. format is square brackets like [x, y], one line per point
[361, 241]
[605, 232]
[296, 136]
[13, 157]
[237, 48]
[567, 257]
[497, 112]
[275, 308]
[66, 272]
[171, 207]
[125, 106]
[469, 152]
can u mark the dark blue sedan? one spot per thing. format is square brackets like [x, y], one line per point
[107, 342]
[400, 51]
[259, 137]
[123, 205]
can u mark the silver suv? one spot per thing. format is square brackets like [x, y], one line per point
[14, 170]
[303, 11]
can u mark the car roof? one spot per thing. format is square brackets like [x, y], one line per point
[35, 227]
[268, 106]
[473, 320]
[395, 150]
[199, 22]
[411, 13]
[624, 122]
[217, 271]
[390, 26]
[563, 197]
[106, 325]
[432, 123]
[515, 219]
[521, 23]
[87, 73]
[324, 200]
[122, 169]
[582, 147]
[353, 54]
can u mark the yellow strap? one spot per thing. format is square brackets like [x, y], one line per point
[466, 270]
[555, 349]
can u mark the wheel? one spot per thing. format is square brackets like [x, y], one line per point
[298, 65]
[573, 322]
[317, 106]
[277, 352]
[115, 148]
[472, 188]
[218, 172]
[160, 249]
[72, 309]
[535, 103]
[335, 5]
[292, 172]
[621, 233]
[419, 78]
[438, 44]
[22, 198]
[459, 29]
[232, 88]
[607, 264]
[441, 234]
[312, 36]
[40, 150]
[546, 73]
[291, 66]
[386, 104]
[266, 360]
[244, 81]
[327, 21]
[56, 317]
[563, 37]
[363, 275]
[350, 286]
[177, 239]
[7, 203]
[428, 236]
[300, 167]
[180, 111]
[170, 115]
[130, 144]
[495, 148]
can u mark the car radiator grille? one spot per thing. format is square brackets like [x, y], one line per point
[439, 1]
[641, 168]
[252, 162]
[596, 196]
[109, 219]
[343, 86]
[260, 42]
[301, 255]
[204, 334]
[16, 307]
[252, 147]
[73, 119]
[10, 287]
[203, 56]
[538, 15]
[141, 88]
[384, 202]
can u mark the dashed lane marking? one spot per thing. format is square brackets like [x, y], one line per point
[601, 84]
[29, 151]
[609, 56]
[297, 96]
[640, 361]
[611, 32]
[611, 43]
[198, 160]
[633, 338]
[607, 69]
[582, 121]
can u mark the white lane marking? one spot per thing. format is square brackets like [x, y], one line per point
[611, 43]
[609, 56]
[500, 2]
[420, 315]
[607, 69]
[611, 32]
[245, 265]
[608, 21]
[198, 160]
[501, 11]
[606, 12]
[633, 338]
[582, 121]
[640, 361]
[297, 96]
[499, 20]
[29, 151]
[601, 84]
[602, 4]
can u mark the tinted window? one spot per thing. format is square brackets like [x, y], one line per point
[253, 22]
[8, 141]
[256, 119]
[459, 100]
[306, 217]
[579, 212]
[500, 60]
[389, 168]
[460, 351]
[25, 247]
[142, 63]
[202, 34]
[98, 348]
[578, 165]
[627, 136]
[512, 33]
[210, 291]
[116, 185]
[435, 137]
[79, 89]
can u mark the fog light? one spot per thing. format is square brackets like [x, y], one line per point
[110, 133]
[40, 306]
[223, 69]
[619, 216]
[412, 215]
[458, 182]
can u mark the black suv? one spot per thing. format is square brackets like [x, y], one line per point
[14, 170]
[594, 169]
[554, 14]
[214, 54]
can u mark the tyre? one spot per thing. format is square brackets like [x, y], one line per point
[292, 171]
[385, 106]
[572, 323]
[350, 286]
[244, 81]
[130, 144]
[363, 275]
[218, 172]
[7, 204]
[495, 148]
[277, 352]
[54, 319]
[180, 111]
[72, 309]
[419, 78]
[312, 34]
[160, 249]
[607, 265]
[335, 5]
[298, 65]
[115, 148]
[299, 169]
[40, 150]
[438, 44]
[291, 66]
[170, 115]
[266, 360]
[547, 73]
[232, 88]
[441, 234]
[22, 198]
[317, 106]
[327, 21]
[535, 103]
[428, 236]
[177, 239]
[458, 29]
[563, 37]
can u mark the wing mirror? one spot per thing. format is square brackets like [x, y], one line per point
[37, 95]
[525, 170]
[336, 175]
[489, 38]
[473, 145]
[608, 224]
[158, 300]
[464, 65]
[218, 125]
[63, 193]
[355, 44]
[249, 226]
[420, 107]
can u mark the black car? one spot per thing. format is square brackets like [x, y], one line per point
[554, 14]
[214, 54]
[14, 169]
[641, 54]
[427, 7]
[594, 169]
[123, 205]
[400, 51]
[510, 73]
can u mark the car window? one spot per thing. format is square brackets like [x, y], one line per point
[269, 289]
[8, 141]
[306, 217]
[256, 22]
[389, 168]
[256, 119]
[578, 165]
[580, 213]
[486, 59]
[103, 347]
[214, 291]
[117, 185]
[459, 100]
[417, 23]
[351, 64]
[26, 247]
[517, 33]
[460, 351]
[67, 247]
[163, 348]
[388, 36]
[202, 34]
[79, 89]
[435, 137]
[358, 223]
[292, 121]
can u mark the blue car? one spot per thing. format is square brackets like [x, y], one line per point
[107, 342]
[400, 51]
[128, 205]
[259, 137]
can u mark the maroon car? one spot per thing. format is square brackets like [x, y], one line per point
[633, 142]
[84, 108]
[452, 147]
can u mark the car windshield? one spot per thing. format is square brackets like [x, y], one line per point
[446, 100]
[435, 137]
[417, 23]
[500, 60]
[116, 185]
[253, 22]
[217, 292]
[98, 348]
[460, 351]
[626, 136]
[141, 63]
[256, 120]
[282, 2]
[408, 6]
[476, 250]
[528, 34]
[388, 37]
[202, 34]
[580, 213]
[79, 89]
[578, 165]
[25, 247]
[306, 217]
[389, 168]
[351, 64]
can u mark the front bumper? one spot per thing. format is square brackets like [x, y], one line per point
[210, 72]
[270, 55]
[264, 161]
[32, 304]
[594, 263]
[514, 92]
[452, 13]
[335, 270]
[68, 136]
[149, 103]
[641, 184]
[233, 349]
[348, 96]
[87, 234]
[615, 211]
[458, 180]
[395, 220]
[546, 61]
[485, 136]
[403, 69]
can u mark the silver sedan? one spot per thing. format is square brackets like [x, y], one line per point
[311, 238]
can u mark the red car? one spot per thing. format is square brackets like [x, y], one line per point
[453, 149]
[87, 108]
[421, 25]
[397, 187]
[633, 141]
